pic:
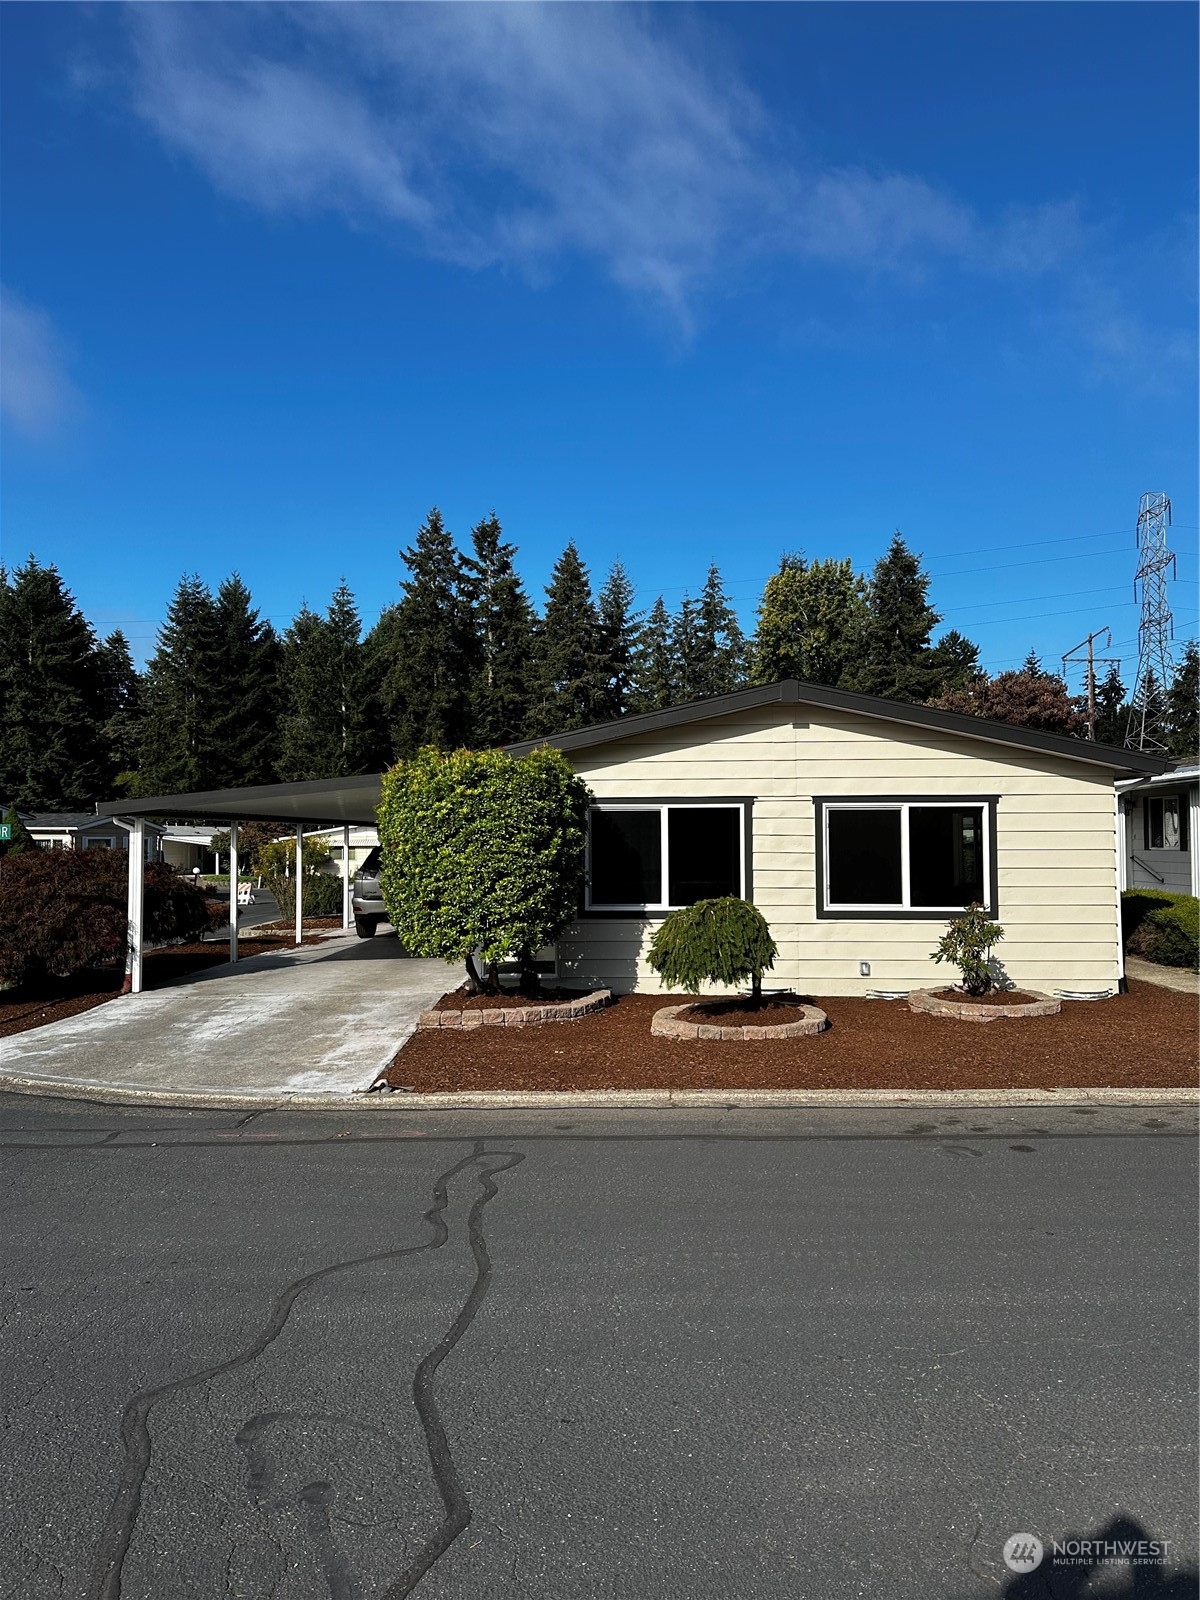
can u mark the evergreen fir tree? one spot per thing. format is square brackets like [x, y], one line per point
[122, 696]
[19, 838]
[572, 691]
[381, 647]
[721, 646]
[898, 658]
[503, 627]
[427, 689]
[52, 754]
[812, 623]
[1112, 712]
[653, 667]
[620, 626]
[1183, 706]
[344, 647]
[179, 695]
[244, 737]
[954, 662]
[303, 730]
[687, 653]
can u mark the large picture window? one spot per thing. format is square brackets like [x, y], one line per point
[655, 857]
[905, 857]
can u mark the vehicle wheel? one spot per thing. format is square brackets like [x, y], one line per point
[365, 927]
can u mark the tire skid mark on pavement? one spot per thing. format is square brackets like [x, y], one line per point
[117, 1534]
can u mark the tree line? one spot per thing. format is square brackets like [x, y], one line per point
[465, 659]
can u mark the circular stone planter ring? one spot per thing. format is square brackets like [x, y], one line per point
[672, 1023]
[530, 1016]
[934, 1005]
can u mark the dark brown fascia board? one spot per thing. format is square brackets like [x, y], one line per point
[789, 691]
[292, 802]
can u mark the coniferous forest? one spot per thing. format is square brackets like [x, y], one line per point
[466, 657]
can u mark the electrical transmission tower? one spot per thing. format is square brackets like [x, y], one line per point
[1156, 630]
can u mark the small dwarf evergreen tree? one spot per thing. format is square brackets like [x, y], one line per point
[726, 940]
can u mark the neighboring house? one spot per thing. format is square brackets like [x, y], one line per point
[84, 830]
[188, 846]
[858, 826]
[1160, 819]
[362, 842]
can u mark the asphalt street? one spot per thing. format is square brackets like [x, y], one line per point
[819, 1354]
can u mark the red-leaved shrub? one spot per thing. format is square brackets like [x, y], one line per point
[64, 910]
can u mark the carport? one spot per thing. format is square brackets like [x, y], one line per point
[323, 803]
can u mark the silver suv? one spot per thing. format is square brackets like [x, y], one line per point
[366, 899]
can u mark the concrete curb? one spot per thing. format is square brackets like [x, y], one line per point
[595, 1099]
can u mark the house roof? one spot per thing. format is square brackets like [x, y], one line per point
[63, 821]
[334, 801]
[790, 691]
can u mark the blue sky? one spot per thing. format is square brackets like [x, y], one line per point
[684, 284]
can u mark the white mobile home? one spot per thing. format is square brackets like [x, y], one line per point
[858, 826]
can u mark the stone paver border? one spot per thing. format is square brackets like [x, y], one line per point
[925, 1000]
[671, 1023]
[517, 1016]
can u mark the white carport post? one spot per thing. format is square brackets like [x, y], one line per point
[346, 877]
[298, 880]
[135, 905]
[1194, 834]
[233, 891]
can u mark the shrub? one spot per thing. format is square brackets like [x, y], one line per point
[62, 911]
[1137, 904]
[20, 837]
[1166, 931]
[967, 943]
[713, 941]
[482, 855]
[277, 863]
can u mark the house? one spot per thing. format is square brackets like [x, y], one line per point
[1160, 818]
[858, 826]
[84, 830]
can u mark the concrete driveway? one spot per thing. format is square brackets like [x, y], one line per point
[322, 1019]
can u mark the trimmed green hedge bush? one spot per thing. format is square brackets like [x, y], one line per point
[1162, 927]
[322, 895]
[483, 855]
[725, 940]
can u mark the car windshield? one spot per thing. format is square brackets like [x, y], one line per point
[370, 867]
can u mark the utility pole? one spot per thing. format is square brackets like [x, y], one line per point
[1156, 629]
[1068, 659]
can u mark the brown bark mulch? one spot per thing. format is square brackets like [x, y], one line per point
[1144, 1039]
[20, 1010]
[996, 997]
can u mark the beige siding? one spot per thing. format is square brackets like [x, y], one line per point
[1056, 846]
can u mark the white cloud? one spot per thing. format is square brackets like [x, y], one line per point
[36, 395]
[516, 134]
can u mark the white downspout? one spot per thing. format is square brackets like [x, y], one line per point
[135, 905]
[233, 891]
[1194, 834]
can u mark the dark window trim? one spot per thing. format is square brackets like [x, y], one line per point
[1182, 798]
[658, 913]
[903, 913]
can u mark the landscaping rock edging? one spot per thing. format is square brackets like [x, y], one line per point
[529, 1016]
[670, 1023]
[931, 1004]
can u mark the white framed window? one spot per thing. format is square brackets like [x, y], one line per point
[1165, 822]
[905, 857]
[660, 855]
